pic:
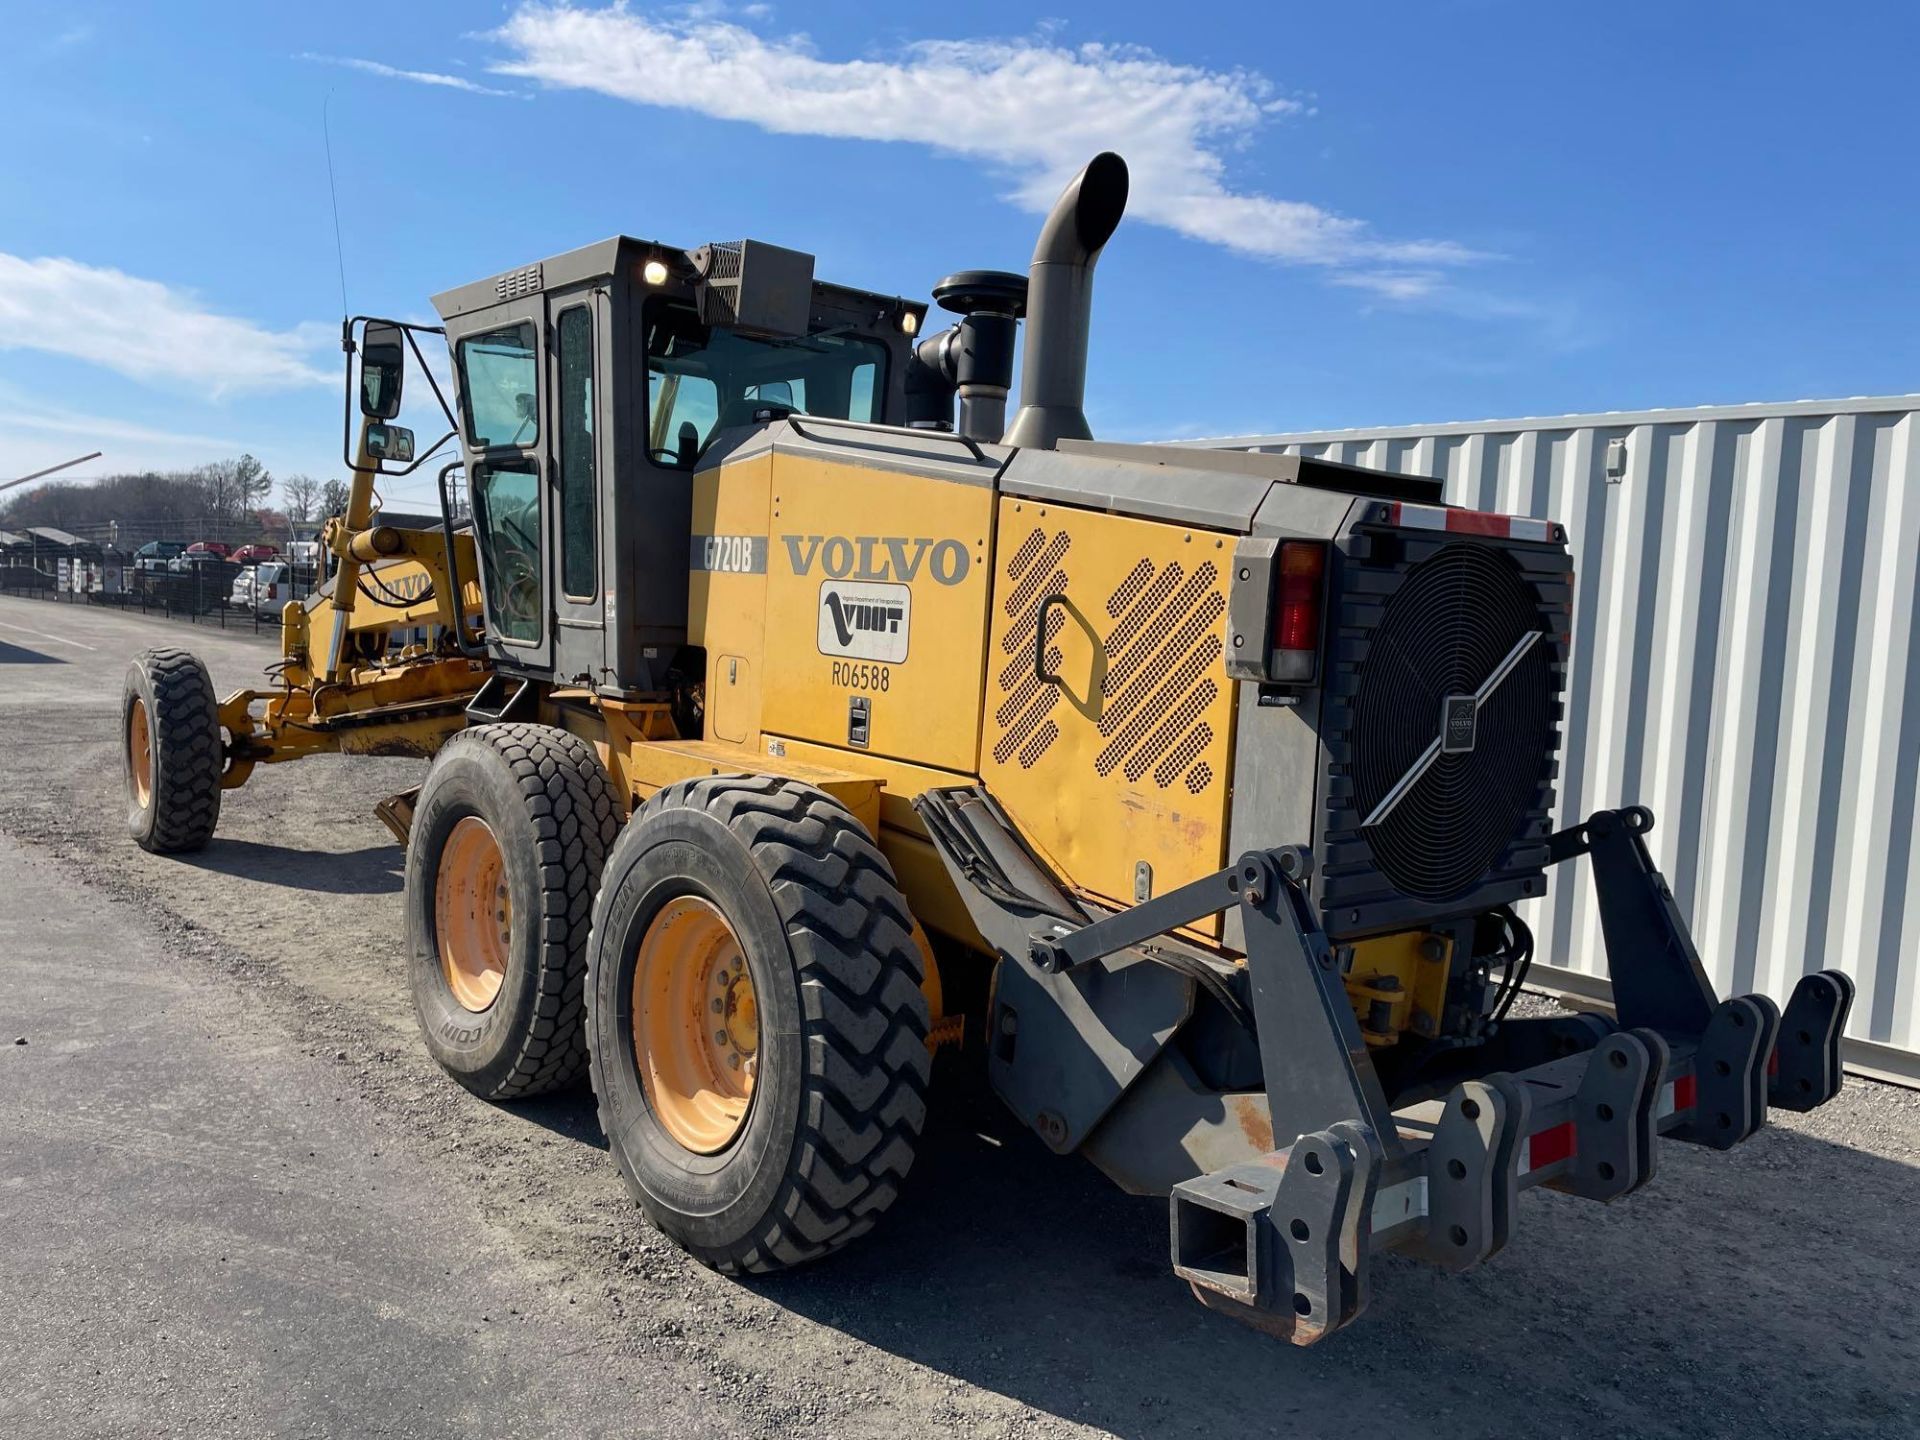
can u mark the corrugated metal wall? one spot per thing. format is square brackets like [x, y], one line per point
[1745, 661]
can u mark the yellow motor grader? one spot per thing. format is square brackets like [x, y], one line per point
[794, 713]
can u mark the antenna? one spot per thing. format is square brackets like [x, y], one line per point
[339, 250]
[63, 465]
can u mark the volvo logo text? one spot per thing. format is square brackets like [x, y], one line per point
[878, 557]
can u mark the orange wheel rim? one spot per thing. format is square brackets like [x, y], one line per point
[696, 1025]
[140, 753]
[472, 914]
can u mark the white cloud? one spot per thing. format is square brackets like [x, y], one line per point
[105, 430]
[419, 77]
[34, 435]
[150, 332]
[1034, 110]
[70, 38]
[1403, 285]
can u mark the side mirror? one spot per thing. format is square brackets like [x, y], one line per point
[390, 442]
[383, 366]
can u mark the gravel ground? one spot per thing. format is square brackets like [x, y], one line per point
[435, 1265]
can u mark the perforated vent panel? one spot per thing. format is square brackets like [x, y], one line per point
[1121, 756]
[719, 296]
[1034, 571]
[1161, 658]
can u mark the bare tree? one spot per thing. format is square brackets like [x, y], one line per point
[302, 493]
[333, 497]
[217, 496]
[233, 487]
[146, 506]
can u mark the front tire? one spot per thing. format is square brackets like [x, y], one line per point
[171, 751]
[508, 838]
[756, 1146]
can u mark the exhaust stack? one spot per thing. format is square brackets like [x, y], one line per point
[1053, 378]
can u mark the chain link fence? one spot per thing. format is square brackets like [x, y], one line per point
[207, 592]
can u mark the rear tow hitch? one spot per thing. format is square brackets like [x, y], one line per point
[1285, 1242]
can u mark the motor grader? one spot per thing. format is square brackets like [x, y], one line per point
[794, 714]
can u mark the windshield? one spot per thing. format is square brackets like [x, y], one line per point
[701, 380]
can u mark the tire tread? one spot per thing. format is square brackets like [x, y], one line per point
[188, 759]
[576, 816]
[866, 1064]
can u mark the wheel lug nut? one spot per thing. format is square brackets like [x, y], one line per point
[718, 1006]
[719, 1037]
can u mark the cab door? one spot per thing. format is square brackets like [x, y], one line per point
[502, 406]
[577, 361]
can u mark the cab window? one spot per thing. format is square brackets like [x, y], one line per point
[702, 380]
[575, 422]
[498, 392]
[506, 522]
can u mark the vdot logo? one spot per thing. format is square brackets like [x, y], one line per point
[878, 557]
[865, 621]
[854, 617]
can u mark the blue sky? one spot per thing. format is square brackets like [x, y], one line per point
[1343, 214]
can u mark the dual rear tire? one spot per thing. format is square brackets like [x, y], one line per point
[737, 970]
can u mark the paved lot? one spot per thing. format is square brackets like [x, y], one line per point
[238, 1200]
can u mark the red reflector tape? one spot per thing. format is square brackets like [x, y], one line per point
[1468, 522]
[1549, 1146]
[1478, 522]
[1676, 1095]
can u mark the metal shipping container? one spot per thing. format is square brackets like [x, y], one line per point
[1745, 661]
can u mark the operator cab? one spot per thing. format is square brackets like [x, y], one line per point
[613, 370]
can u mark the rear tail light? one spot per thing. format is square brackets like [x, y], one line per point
[1297, 611]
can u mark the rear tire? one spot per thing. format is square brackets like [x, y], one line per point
[508, 838]
[171, 752]
[840, 1062]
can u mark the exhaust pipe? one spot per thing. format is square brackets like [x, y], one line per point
[1053, 377]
